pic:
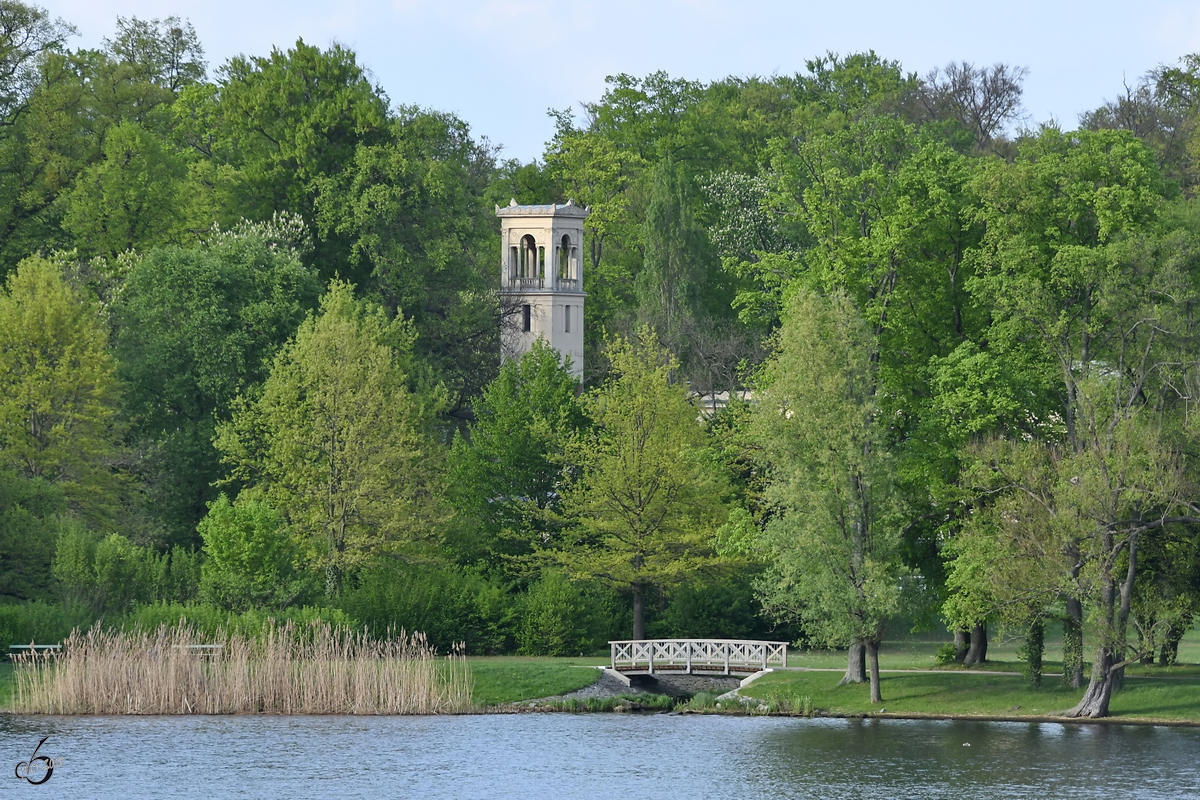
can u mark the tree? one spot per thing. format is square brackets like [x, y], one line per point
[337, 442]
[166, 53]
[980, 99]
[285, 124]
[26, 34]
[834, 543]
[509, 470]
[129, 199]
[59, 397]
[647, 498]
[198, 325]
[672, 276]
[28, 529]
[411, 208]
[1085, 280]
[248, 557]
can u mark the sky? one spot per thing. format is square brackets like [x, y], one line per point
[501, 64]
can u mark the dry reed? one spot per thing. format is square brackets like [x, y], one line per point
[314, 669]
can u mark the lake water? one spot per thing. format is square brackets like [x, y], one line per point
[562, 756]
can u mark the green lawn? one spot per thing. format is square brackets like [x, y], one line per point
[947, 692]
[507, 679]
[917, 651]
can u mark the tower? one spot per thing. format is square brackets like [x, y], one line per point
[541, 279]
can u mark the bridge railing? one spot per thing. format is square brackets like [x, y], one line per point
[690, 655]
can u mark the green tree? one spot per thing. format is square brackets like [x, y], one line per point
[648, 496]
[1088, 279]
[198, 325]
[670, 283]
[834, 543]
[509, 470]
[337, 442]
[130, 198]
[248, 557]
[28, 530]
[411, 208]
[59, 397]
[286, 124]
[27, 33]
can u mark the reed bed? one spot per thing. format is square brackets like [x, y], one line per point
[311, 669]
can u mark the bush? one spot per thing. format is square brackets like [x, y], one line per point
[40, 622]
[249, 558]
[722, 607]
[448, 605]
[109, 575]
[946, 654]
[560, 617]
[208, 619]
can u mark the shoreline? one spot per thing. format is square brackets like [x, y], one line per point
[533, 707]
[530, 707]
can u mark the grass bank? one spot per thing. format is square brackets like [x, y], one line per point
[968, 694]
[509, 679]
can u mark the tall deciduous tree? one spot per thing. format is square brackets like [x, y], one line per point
[336, 440]
[27, 33]
[198, 325]
[835, 542]
[286, 123]
[648, 497]
[1079, 270]
[59, 396]
[411, 208]
[509, 470]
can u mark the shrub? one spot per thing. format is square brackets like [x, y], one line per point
[109, 575]
[249, 558]
[209, 620]
[560, 617]
[721, 607]
[449, 606]
[946, 654]
[40, 622]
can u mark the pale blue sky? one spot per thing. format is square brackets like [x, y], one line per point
[499, 64]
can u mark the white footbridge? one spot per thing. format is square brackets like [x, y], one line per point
[696, 656]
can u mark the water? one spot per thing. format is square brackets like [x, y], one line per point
[565, 756]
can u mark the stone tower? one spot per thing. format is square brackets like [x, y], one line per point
[541, 279]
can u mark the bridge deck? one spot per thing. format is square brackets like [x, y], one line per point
[696, 656]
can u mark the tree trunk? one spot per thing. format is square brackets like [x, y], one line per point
[1073, 645]
[639, 612]
[1147, 646]
[1095, 700]
[977, 654]
[1035, 647]
[962, 643]
[856, 665]
[1170, 645]
[873, 657]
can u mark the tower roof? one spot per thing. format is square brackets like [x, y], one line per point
[567, 209]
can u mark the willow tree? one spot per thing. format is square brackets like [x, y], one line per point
[647, 496]
[338, 442]
[834, 544]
